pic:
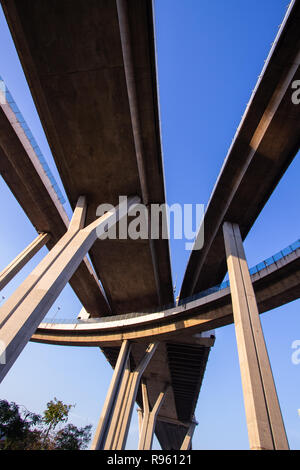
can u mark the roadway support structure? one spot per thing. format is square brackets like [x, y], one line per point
[19, 262]
[114, 422]
[264, 420]
[187, 441]
[149, 417]
[24, 310]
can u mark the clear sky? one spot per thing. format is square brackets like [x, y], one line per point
[209, 57]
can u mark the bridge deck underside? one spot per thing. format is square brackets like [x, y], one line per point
[265, 144]
[72, 56]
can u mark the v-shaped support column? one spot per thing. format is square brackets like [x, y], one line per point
[149, 417]
[187, 441]
[115, 419]
[19, 262]
[265, 424]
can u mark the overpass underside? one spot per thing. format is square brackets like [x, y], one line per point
[92, 73]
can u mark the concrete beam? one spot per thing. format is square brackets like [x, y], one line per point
[30, 282]
[24, 174]
[264, 420]
[187, 442]
[19, 262]
[23, 312]
[264, 145]
[115, 418]
[149, 417]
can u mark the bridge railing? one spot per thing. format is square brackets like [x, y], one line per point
[255, 269]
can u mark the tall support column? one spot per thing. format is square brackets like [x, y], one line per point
[265, 424]
[111, 397]
[23, 312]
[31, 281]
[149, 417]
[19, 262]
[140, 420]
[187, 441]
[115, 430]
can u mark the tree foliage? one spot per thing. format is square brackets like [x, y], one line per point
[21, 429]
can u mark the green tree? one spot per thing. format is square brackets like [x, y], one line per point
[73, 438]
[22, 430]
[55, 413]
[18, 428]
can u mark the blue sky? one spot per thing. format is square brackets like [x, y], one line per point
[209, 57]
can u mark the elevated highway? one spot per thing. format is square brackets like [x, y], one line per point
[24, 169]
[266, 142]
[91, 70]
[99, 110]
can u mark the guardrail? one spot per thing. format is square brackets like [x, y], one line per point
[255, 269]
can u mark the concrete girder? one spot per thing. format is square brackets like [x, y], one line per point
[19, 262]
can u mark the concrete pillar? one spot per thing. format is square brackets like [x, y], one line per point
[31, 281]
[17, 264]
[115, 420]
[23, 312]
[140, 420]
[111, 397]
[149, 417]
[187, 441]
[264, 420]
